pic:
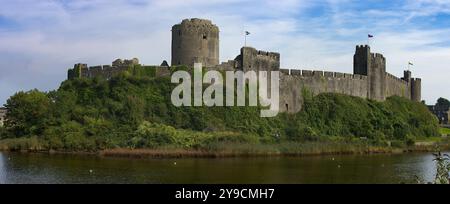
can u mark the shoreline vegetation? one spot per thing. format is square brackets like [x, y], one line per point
[247, 150]
[131, 115]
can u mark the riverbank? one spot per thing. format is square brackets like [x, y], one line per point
[272, 150]
[222, 150]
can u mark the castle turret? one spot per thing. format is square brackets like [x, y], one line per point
[372, 65]
[361, 60]
[195, 40]
[79, 70]
[258, 60]
[416, 89]
[407, 75]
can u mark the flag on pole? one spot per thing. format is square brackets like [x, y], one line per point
[410, 64]
[245, 37]
[370, 36]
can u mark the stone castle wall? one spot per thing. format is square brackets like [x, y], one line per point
[107, 71]
[257, 60]
[197, 40]
[370, 79]
[397, 87]
[295, 83]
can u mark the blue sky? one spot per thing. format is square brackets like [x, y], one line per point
[41, 39]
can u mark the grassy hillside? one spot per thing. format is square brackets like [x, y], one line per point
[132, 111]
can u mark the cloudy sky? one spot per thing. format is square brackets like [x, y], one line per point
[41, 39]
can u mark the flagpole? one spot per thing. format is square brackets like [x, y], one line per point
[409, 65]
[368, 39]
[368, 42]
[245, 39]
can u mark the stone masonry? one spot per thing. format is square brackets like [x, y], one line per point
[197, 40]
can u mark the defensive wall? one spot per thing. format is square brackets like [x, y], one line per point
[295, 83]
[197, 40]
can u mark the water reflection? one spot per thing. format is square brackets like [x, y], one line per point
[43, 168]
[2, 169]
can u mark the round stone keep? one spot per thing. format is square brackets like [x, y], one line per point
[195, 41]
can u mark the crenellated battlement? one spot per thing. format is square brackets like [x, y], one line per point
[197, 22]
[229, 65]
[194, 24]
[286, 71]
[257, 60]
[392, 77]
[320, 73]
[378, 56]
[261, 53]
[118, 66]
[362, 48]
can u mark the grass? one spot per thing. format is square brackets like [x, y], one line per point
[234, 149]
[429, 139]
[444, 131]
[22, 144]
[219, 150]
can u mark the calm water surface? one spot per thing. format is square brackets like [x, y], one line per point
[44, 168]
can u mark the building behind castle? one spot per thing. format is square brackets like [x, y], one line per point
[2, 116]
[442, 112]
[197, 40]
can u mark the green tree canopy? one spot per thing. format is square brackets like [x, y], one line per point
[27, 113]
[443, 102]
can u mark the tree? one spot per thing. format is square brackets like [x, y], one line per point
[27, 113]
[443, 102]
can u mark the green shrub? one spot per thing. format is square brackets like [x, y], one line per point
[134, 109]
[152, 135]
[232, 137]
[24, 143]
[410, 140]
[397, 144]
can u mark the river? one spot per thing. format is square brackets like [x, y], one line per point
[57, 168]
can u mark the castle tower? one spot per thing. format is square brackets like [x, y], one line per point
[416, 89]
[361, 60]
[372, 65]
[195, 40]
[415, 85]
[79, 70]
[258, 60]
[407, 75]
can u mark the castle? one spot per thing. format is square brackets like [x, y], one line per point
[197, 41]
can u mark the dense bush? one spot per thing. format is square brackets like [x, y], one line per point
[339, 115]
[134, 110]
